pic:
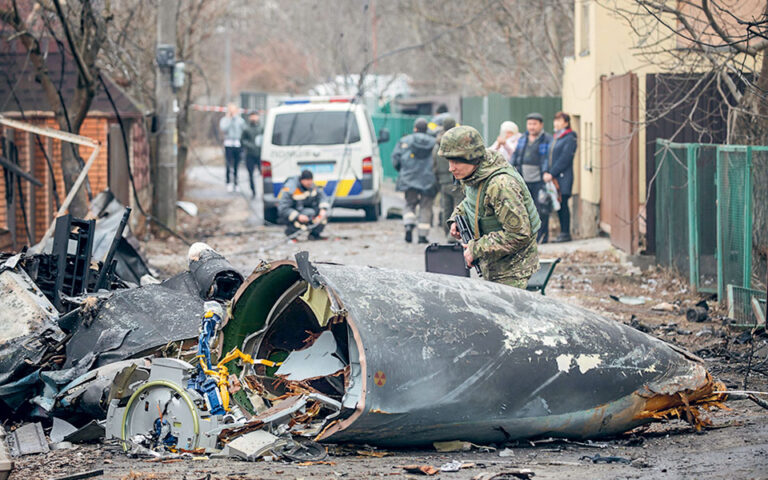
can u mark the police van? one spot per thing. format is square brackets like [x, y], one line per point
[333, 138]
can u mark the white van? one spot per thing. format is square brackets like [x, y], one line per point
[335, 140]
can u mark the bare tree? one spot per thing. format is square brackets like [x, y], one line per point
[454, 47]
[511, 47]
[80, 29]
[721, 46]
[130, 55]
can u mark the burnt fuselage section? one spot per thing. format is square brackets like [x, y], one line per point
[416, 358]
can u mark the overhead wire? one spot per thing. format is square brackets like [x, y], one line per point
[136, 199]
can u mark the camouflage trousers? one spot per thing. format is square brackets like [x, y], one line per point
[450, 197]
[520, 283]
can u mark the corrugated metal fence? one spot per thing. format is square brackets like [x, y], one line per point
[487, 113]
[398, 125]
[483, 113]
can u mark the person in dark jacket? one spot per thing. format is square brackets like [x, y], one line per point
[412, 158]
[531, 159]
[251, 141]
[561, 170]
[303, 206]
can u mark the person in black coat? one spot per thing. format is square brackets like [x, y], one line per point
[561, 169]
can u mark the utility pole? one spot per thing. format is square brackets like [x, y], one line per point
[228, 64]
[166, 185]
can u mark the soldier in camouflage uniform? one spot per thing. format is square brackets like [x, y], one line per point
[451, 194]
[498, 208]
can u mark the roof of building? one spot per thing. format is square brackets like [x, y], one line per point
[18, 85]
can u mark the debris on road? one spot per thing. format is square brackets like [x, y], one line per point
[664, 307]
[28, 439]
[207, 363]
[374, 453]
[627, 300]
[455, 466]
[421, 469]
[81, 475]
[521, 473]
[460, 446]
[607, 459]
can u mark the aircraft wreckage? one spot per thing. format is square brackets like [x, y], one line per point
[393, 358]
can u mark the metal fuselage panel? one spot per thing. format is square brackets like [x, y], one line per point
[448, 358]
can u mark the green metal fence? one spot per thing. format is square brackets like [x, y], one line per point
[704, 212]
[398, 125]
[703, 224]
[672, 242]
[498, 108]
[734, 216]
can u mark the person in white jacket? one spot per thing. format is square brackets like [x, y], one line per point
[506, 142]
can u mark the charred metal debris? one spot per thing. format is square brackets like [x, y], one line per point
[300, 353]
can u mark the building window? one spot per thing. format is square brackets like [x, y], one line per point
[585, 29]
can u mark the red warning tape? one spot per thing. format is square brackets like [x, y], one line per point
[216, 108]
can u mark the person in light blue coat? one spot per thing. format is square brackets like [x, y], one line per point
[231, 126]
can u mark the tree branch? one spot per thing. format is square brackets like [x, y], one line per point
[75, 52]
[746, 49]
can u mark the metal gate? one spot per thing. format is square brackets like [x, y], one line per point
[619, 161]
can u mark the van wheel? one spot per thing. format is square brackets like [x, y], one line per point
[270, 215]
[373, 212]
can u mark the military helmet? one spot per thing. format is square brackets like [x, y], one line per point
[462, 143]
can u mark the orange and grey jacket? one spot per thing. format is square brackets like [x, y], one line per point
[294, 199]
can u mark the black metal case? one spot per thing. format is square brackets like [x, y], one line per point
[446, 258]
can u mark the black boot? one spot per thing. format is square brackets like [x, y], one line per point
[408, 234]
[563, 237]
[423, 239]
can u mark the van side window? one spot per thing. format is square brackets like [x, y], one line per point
[315, 128]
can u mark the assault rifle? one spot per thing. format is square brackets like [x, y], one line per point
[466, 235]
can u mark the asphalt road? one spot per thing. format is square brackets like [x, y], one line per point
[737, 448]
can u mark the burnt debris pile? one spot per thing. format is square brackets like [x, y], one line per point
[82, 306]
[206, 362]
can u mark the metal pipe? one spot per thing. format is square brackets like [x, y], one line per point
[106, 265]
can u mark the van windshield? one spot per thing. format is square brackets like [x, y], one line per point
[315, 128]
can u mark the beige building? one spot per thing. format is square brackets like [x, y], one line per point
[605, 89]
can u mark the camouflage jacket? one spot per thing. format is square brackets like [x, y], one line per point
[510, 254]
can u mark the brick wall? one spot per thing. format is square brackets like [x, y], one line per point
[41, 207]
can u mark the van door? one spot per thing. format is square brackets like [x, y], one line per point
[323, 142]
